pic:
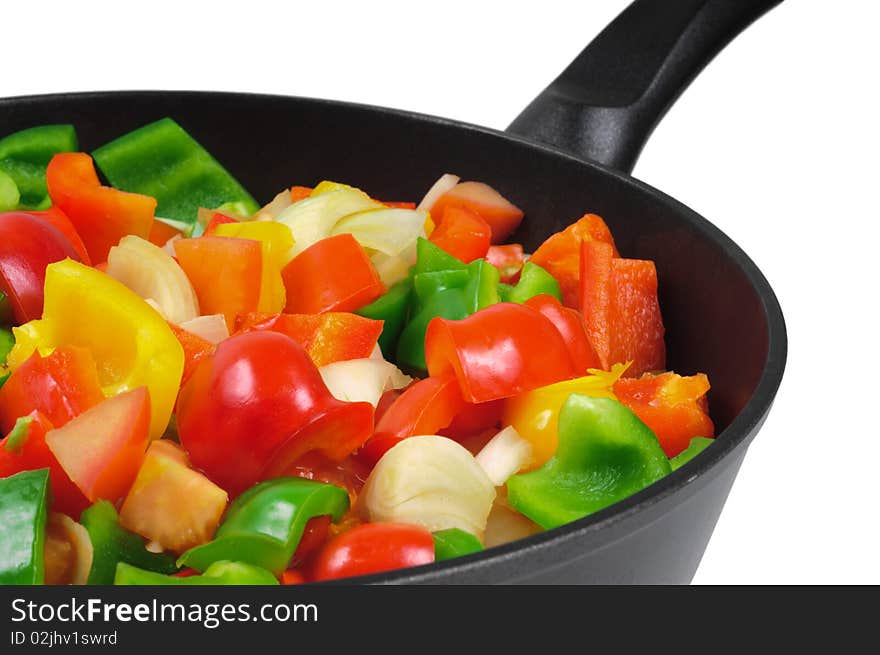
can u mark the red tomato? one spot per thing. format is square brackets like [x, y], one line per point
[61, 386]
[328, 337]
[373, 548]
[332, 275]
[571, 326]
[226, 273]
[463, 234]
[101, 215]
[425, 407]
[256, 405]
[28, 243]
[508, 259]
[501, 215]
[498, 352]
[313, 537]
[35, 454]
[102, 449]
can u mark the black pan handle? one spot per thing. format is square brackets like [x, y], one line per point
[605, 105]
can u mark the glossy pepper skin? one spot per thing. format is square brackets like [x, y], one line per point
[131, 343]
[454, 542]
[392, 309]
[570, 325]
[533, 281]
[163, 161]
[25, 154]
[265, 524]
[256, 405]
[112, 544]
[695, 447]
[24, 500]
[219, 573]
[605, 454]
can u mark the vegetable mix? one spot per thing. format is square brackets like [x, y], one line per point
[196, 389]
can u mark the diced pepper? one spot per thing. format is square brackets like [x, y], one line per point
[431, 258]
[605, 454]
[24, 501]
[7, 342]
[454, 542]
[112, 544]
[498, 352]
[674, 407]
[501, 215]
[101, 215]
[102, 449]
[219, 573]
[327, 338]
[508, 259]
[162, 232]
[226, 273]
[59, 220]
[171, 504]
[217, 219]
[298, 193]
[162, 161]
[334, 274]
[61, 386]
[695, 447]
[391, 308]
[571, 326]
[25, 449]
[463, 234]
[533, 281]
[131, 343]
[265, 524]
[535, 414]
[620, 309]
[9, 195]
[560, 254]
[195, 349]
[24, 156]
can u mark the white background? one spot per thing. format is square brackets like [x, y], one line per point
[775, 143]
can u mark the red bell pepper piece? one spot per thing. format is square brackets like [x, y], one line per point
[59, 219]
[31, 454]
[502, 216]
[292, 576]
[473, 419]
[225, 272]
[61, 386]
[620, 309]
[463, 234]
[560, 254]
[101, 215]
[256, 405]
[498, 352]
[28, 243]
[103, 448]
[508, 259]
[673, 406]
[332, 275]
[571, 326]
[298, 193]
[218, 219]
[426, 407]
[161, 233]
[328, 337]
[195, 349]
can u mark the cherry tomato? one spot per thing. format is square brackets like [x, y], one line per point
[372, 548]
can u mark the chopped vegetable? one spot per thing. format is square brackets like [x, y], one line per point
[24, 156]
[219, 573]
[391, 308]
[445, 183]
[696, 446]
[212, 328]
[23, 510]
[67, 551]
[454, 543]
[362, 380]
[463, 234]
[501, 215]
[505, 454]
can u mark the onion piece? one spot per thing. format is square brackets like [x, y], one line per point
[150, 272]
[211, 327]
[391, 231]
[68, 551]
[505, 524]
[362, 380]
[391, 269]
[441, 186]
[430, 481]
[505, 454]
[312, 218]
[271, 210]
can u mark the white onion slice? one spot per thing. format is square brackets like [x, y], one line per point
[505, 454]
[271, 210]
[211, 327]
[391, 231]
[441, 186]
[505, 524]
[312, 218]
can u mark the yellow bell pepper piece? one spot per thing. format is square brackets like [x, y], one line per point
[326, 186]
[429, 224]
[535, 414]
[277, 242]
[131, 343]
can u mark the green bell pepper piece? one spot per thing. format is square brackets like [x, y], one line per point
[695, 447]
[113, 544]
[533, 281]
[430, 258]
[9, 195]
[163, 161]
[24, 499]
[392, 308]
[605, 454]
[450, 304]
[17, 437]
[219, 573]
[24, 156]
[454, 543]
[263, 525]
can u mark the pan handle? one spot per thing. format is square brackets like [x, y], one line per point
[605, 105]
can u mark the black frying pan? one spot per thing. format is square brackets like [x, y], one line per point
[720, 313]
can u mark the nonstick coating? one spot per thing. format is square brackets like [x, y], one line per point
[721, 316]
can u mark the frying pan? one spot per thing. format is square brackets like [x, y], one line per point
[570, 151]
